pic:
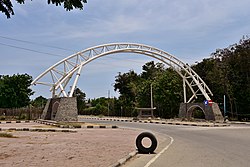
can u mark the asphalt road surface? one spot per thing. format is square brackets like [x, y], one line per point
[193, 146]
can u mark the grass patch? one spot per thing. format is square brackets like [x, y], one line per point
[71, 124]
[7, 135]
[42, 126]
[100, 116]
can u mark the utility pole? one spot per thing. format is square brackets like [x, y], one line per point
[151, 95]
[121, 111]
[225, 106]
[108, 100]
[152, 100]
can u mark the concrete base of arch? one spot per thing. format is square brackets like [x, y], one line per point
[60, 109]
[212, 112]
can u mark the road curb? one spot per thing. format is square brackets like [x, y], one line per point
[18, 121]
[38, 130]
[124, 160]
[53, 123]
[160, 122]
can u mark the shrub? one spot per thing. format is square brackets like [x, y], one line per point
[7, 135]
[2, 117]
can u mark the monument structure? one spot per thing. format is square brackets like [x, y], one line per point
[63, 76]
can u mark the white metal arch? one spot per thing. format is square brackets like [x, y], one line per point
[60, 74]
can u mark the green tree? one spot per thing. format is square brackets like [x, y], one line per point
[227, 73]
[6, 6]
[151, 70]
[38, 102]
[211, 71]
[237, 61]
[80, 98]
[149, 76]
[99, 106]
[15, 91]
[168, 93]
[123, 83]
[135, 90]
[126, 85]
[143, 95]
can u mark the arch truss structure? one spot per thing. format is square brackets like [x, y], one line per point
[63, 76]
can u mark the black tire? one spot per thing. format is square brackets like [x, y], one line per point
[141, 148]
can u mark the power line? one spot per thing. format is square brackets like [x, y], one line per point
[31, 50]
[65, 49]
[56, 47]
[60, 48]
[34, 43]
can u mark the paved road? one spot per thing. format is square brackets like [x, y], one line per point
[194, 146]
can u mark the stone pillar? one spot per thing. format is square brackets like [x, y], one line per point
[45, 110]
[67, 110]
[211, 112]
[61, 109]
[217, 113]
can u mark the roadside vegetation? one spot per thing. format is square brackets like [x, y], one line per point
[71, 124]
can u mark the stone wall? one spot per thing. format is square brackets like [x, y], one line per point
[20, 113]
[61, 109]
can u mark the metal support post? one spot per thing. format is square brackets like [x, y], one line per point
[224, 105]
[76, 79]
[184, 90]
[108, 100]
[151, 96]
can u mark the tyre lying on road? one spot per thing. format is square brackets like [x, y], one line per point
[139, 144]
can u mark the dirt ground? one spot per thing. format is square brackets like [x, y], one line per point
[87, 147]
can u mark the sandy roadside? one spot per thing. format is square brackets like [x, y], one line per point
[87, 147]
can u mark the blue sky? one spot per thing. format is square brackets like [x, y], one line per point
[191, 30]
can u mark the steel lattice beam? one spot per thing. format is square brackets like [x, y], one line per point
[70, 68]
